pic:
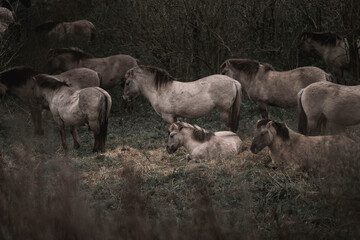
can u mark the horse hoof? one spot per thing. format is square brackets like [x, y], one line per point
[95, 150]
[76, 146]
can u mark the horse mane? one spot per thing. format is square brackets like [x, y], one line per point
[162, 77]
[268, 67]
[17, 76]
[324, 38]
[47, 26]
[281, 130]
[6, 4]
[47, 81]
[77, 53]
[199, 134]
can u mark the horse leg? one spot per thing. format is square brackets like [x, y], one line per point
[75, 136]
[263, 110]
[312, 127]
[225, 116]
[36, 119]
[61, 125]
[168, 118]
[94, 126]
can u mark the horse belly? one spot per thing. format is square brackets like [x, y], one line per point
[72, 116]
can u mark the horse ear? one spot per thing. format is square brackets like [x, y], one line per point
[269, 124]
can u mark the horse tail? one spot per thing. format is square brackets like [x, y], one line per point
[92, 33]
[321, 123]
[235, 109]
[103, 119]
[100, 79]
[302, 124]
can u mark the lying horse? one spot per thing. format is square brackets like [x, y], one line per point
[75, 108]
[333, 49]
[202, 144]
[81, 29]
[18, 81]
[265, 86]
[293, 149]
[112, 69]
[326, 103]
[172, 99]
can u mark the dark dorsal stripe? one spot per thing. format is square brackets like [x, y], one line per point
[17, 76]
[162, 77]
[46, 27]
[198, 134]
[281, 129]
[77, 53]
[247, 66]
[324, 38]
[44, 81]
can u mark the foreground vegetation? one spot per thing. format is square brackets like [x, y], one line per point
[136, 190]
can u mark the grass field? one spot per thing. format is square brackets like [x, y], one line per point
[136, 190]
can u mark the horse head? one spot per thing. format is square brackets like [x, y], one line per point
[265, 132]
[132, 88]
[176, 138]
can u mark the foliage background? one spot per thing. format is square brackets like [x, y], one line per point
[138, 191]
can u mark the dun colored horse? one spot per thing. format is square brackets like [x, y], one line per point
[18, 81]
[202, 144]
[172, 99]
[75, 108]
[265, 86]
[333, 49]
[112, 69]
[328, 104]
[81, 29]
[289, 148]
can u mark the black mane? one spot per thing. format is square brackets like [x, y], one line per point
[248, 66]
[199, 134]
[281, 129]
[47, 26]
[324, 38]
[162, 77]
[17, 76]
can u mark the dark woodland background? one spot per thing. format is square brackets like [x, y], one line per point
[136, 190]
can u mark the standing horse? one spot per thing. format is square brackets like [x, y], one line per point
[81, 29]
[202, 144]
[75, 108]
[293, 149]
[112, 68]
[18, 81]
[265, 86]
[326, 103]
[333, 49]
[172, 99]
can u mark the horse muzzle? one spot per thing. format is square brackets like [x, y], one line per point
[170, 149]
[254, 149]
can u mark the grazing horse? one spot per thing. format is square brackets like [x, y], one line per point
[18, 81]
[293, 149]
[76, 107]
[112, 68]
[171, 99]
[325, 103]
[202, 144]
[333, 49]
[265, 86]
[81, 29]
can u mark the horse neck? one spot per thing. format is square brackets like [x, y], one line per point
[189, 143]
[49, 94]
[243, 78]
[147, 89]
[280, 145]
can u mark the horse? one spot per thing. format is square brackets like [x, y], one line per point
[291, 149]
[332, 48]
[265, 86]
[325, 103]
[202, 144]
[76, 107]
[172, 99]
[112, 68]
[81, 29]
[18, 81]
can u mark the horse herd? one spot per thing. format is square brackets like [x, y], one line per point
[78, 96]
